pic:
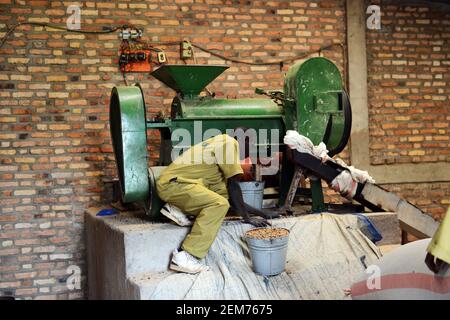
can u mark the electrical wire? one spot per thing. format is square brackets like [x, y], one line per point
[270, 63]
[124, 75]
[150, 45]
[54, 26]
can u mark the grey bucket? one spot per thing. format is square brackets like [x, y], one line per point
[253, 193]
[268, 255]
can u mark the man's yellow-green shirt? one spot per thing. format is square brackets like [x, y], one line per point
[209, 163]
[440, 244]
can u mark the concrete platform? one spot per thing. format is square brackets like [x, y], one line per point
[128, 258]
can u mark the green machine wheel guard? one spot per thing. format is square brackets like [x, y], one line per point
[321, 110]
[129, 138]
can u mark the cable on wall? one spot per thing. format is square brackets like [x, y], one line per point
[54, 26]
[150, 45]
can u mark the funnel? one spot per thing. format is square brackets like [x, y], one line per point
[189, 80]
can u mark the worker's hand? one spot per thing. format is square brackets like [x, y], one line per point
[434, 264]
[267, 214]
[257, 222]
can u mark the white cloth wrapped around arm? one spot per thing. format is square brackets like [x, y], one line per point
[295, 140]
[360, 176]
[347, 181]
[345, 184]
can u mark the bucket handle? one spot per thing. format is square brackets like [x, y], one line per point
[292, 227]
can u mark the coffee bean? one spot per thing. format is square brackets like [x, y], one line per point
[267, 233]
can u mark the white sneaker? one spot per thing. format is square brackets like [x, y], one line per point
[176, 215]
[184, 262]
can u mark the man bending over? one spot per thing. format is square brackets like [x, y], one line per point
[204, 182]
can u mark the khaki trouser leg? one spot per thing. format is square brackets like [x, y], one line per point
[209, 207]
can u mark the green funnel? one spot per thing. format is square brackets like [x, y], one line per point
[189, 80]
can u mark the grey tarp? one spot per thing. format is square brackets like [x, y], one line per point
[326, 253]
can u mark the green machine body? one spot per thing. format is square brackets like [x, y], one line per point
[313, 102]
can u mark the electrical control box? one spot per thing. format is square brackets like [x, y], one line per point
[135, 60]
[186, 50]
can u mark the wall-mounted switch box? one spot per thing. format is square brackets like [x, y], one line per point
[186, 50]
[162, 57]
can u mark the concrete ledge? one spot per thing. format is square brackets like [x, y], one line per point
[128, 256]
[123, 246]
[388, 225]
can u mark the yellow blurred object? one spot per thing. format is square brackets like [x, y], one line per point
[440, 244]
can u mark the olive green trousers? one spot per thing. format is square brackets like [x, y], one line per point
[210, 209]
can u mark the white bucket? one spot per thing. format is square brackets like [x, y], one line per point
[268, 255]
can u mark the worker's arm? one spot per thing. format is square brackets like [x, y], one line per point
[433, 263]
[237, 202]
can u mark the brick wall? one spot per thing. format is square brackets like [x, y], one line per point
[55, 150]
[408, 91]
[409, 81]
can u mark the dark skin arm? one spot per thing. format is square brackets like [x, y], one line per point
[243, 209]
[434, 264]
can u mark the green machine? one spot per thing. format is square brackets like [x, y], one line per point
[313, 102]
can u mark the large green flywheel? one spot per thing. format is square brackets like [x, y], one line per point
[129, 138]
